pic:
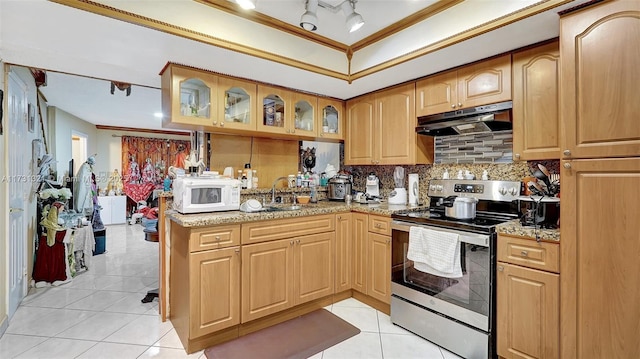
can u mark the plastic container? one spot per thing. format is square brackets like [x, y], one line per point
[101, 241]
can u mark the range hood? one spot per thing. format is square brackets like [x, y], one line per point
[488, 118]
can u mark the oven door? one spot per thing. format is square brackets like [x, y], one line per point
[467, 298]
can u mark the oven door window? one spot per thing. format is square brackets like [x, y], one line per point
[471, 291]
[206, 195]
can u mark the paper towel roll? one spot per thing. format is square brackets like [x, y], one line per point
[414, 189]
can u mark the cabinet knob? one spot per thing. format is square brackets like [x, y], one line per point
[217, 238]
[288, 130]
[566, 153]
[291, 243]
[322, 135]
[517, 155]
[339, 217]
[500, 268]
[297, 241]
[237, 251]
[524, 253]
[567, 165]
[459, 104]
[293, 131]
[453, 105]
[221, 124]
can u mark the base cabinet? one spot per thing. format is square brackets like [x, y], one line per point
[379, 271]
[528, 298]
[280, 274]
[359, 243]
[344, 252]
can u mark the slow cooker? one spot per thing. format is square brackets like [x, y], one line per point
[338, 187]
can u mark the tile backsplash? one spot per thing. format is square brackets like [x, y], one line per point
[492, 147]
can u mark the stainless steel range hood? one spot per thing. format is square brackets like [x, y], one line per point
[488, 118]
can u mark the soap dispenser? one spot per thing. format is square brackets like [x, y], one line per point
[485, 175]
[445, 175]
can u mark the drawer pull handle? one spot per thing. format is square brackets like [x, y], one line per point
[524, 253]
[237, 251]
[217, 238]
[297, 241]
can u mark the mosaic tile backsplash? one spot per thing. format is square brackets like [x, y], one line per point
[493, 147]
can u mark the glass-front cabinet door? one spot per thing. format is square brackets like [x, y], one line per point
[274, 111]
[304, 116]
[192, 95]
[237, 109]
[330, 119]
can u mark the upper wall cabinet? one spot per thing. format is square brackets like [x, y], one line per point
[188, 98]
[274, 110]
[304, 114]
[536, 114]
[330, 119]
[237, 99]
[478, 84]
[381, 130]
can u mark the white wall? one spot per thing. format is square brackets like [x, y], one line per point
[64, 123]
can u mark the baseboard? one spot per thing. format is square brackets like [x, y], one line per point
[4, 324]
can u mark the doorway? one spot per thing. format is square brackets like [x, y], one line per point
[78, 149]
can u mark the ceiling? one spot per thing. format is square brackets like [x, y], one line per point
[85, 44]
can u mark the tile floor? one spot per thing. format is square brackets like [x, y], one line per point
[99, 315]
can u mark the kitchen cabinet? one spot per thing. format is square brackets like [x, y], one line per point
[114, 209]
[344, 251]
[481, 83]
[381, 130]
[274, 110]
[379, 258]
[600, 170]
[304, 114]
[200, 273]
[189, 98]
[285, 263]
[237, 109]
[330, 118]
[528, 298]
[600, 107]
[359, 241]
[536, 111]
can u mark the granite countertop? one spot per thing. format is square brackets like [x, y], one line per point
[322, 207]
[515, 228]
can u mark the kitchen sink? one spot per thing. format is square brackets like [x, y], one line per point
[282, 208]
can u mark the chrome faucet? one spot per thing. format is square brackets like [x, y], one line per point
[273, 188]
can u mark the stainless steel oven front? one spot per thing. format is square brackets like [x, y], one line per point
[455, 313]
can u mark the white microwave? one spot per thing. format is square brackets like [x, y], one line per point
[205, 194]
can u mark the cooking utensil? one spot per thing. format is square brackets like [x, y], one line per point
[544, 170]
[543, 174]
[535, 188]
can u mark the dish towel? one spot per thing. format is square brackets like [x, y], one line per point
[435, 252]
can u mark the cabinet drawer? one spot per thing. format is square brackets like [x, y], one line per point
[214, 237]
[286, 228]
[380, 225]
[529, 253]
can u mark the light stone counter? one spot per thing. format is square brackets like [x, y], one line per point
[322, 207]
[515, 228]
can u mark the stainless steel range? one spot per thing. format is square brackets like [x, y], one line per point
[454, 309]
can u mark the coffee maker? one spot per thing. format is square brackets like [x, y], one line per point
[373, 186]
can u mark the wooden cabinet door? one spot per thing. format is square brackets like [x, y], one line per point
[359, 141]
[536, 111]
[437, 94]
[333, 112]
[313, 267]
[379, 271]
[303, 114]
[485, 82]
[267, 278]
[600, 248]
[344, 252]
[395, 126]
[237, 104]
[359, 245]
[215, 290]
[599, 81]
[527, 314]
[275, 111]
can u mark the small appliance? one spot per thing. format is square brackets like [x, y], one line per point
[338, 187]
[543, 212]
[373, 185]
[414, 189]
[205, 194]
[399, 193]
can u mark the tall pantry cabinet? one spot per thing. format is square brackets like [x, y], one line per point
[600, 145]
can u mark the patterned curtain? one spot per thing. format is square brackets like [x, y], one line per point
[146, 160]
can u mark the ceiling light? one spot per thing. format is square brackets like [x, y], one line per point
[309, 20]
[247, 4]
[354, 20]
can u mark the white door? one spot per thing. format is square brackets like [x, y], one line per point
[18, 191]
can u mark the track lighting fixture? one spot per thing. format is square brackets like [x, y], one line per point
[309, 20]
[247, 4]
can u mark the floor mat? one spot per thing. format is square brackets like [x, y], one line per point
[300, 337]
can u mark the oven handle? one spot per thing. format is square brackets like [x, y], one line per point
[466, 237]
